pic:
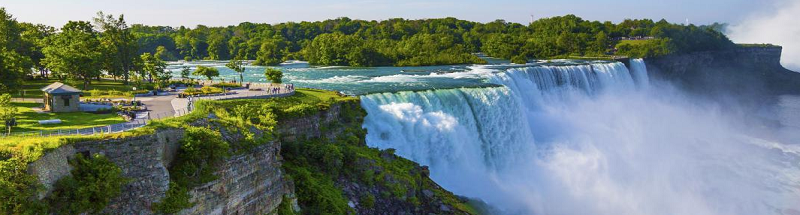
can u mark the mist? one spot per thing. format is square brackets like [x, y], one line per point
[779, 27]
[605, 143]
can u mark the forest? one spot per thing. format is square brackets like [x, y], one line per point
[107, 45]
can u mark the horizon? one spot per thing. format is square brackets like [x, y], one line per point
[191, 14]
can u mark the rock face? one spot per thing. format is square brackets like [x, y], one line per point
[251, 183]
[248, 183]
[747, 72]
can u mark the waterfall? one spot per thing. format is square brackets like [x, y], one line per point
[587, 139]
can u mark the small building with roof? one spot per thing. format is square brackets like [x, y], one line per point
[59, 97]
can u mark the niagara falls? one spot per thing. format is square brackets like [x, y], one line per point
[419, 107]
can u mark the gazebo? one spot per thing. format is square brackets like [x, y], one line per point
[59, 97]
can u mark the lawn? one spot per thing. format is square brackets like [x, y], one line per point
[28, 120]
[633, 42]
[32, 88]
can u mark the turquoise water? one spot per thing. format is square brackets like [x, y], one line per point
[367, 80]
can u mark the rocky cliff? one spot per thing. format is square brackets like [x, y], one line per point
[747, 72]
[256, 182]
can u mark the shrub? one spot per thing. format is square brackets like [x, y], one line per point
[201, 149]
[177, 198]
[18, 189]
[227, 85]
[367, 201]
[93, 183]
[519, 59]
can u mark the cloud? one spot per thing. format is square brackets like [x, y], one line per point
[778, 27]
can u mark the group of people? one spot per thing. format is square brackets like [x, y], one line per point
[286, 87]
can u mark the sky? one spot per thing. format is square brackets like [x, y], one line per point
[231, 12]
[751, 21]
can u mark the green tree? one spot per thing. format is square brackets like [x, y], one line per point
[155, 67]
[185, 72]
[273, 75]
[271, 52]
[13, 65]
[120, 45]
[238, 66]
[601, 42]
[163, 54]
[33, 38]
[208, 72]
[75, 53]
[7, 111]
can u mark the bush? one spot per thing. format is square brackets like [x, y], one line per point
[93, 183]
[519, 59]
[191, 91]
[201, 149]
[18, 189]
[227, 85]
[177, 199]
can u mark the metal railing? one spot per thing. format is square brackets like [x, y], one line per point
[144, 120]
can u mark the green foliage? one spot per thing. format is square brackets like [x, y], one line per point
[519, 59]
[185, 72]
[201, 149]
[226, 85]
[93, 183]
[7, 111]
[18, 54]
[317, 192]
[177, 199]
[271, 52]
[648, 48]
[75, 53]
[367, 201]
[273, 75]
[238, 66]
[119, 45]
[18, 189]
[191, 91]
[285, 208]
[208, 72]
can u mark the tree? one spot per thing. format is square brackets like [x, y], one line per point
[120, 45]
[238, 66]
[155, 67]
[7, 111]
[185, 72]
[75, 53]
[33, 38]
[271, 52]
[208, 72]
[163, 54]
[13, 66]
[601, 42]
[273, 75]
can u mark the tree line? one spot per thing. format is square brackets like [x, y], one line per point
[107, 45]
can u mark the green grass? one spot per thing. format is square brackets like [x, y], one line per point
[32, 88]
[633, 42]
[28, 120]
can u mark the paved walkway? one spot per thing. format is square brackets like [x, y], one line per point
[183, 103]
[165, 105]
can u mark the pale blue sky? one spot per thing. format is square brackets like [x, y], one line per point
[231, 12]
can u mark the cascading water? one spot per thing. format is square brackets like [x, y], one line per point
[587, 139]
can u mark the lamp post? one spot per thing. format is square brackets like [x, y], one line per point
[134, 95]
